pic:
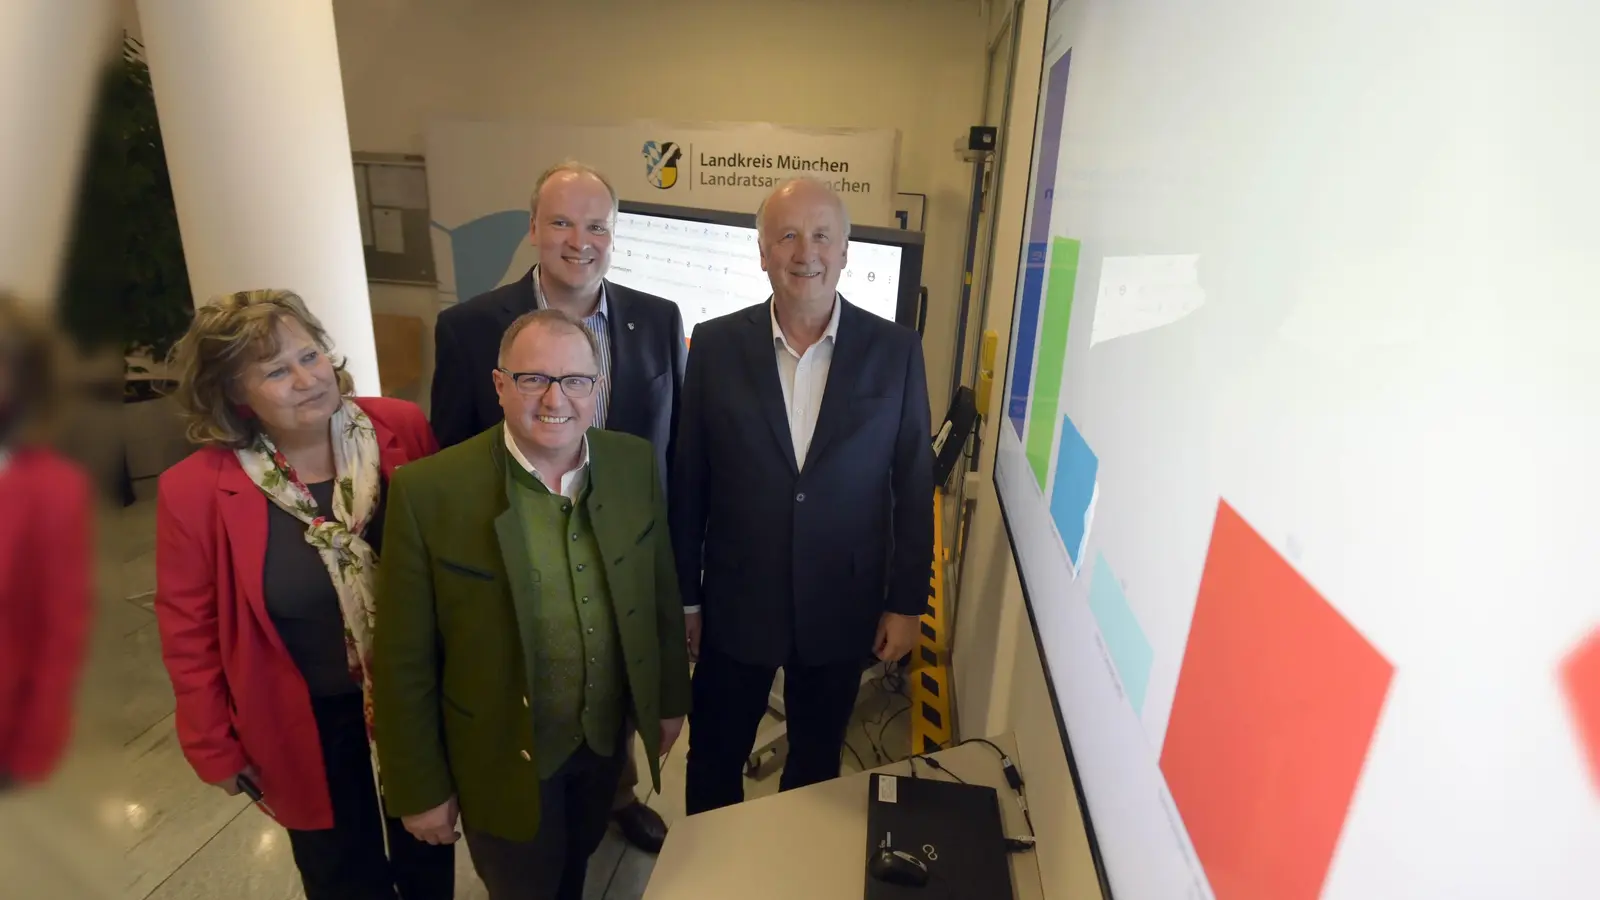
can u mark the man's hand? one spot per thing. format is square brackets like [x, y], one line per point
[692, 624]
[897, 635]
[437, 825]
[670, 729]
[230, 786]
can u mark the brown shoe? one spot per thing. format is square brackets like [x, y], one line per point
[642, 826]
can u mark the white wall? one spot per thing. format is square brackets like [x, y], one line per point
[915, 65]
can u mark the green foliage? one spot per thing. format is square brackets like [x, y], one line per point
[126, 282]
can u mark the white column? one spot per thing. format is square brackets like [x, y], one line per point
[51, 54]
[252, 115]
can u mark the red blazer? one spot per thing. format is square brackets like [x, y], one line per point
[45, 582]
[241, 698]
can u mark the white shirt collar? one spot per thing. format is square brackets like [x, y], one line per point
[831, 333]
[604, 309]
[571, 483]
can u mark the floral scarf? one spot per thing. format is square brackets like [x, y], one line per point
[351, 561]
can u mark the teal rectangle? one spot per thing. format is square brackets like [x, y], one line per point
[1130, 650]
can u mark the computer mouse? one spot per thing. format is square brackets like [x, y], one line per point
[897, 867]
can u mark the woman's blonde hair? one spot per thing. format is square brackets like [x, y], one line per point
[230, 332]
[31, 357]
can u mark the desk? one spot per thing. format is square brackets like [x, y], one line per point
[811, 844]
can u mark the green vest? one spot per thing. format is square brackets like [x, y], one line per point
[577, 683]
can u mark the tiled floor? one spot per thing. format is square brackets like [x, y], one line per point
[126, 818]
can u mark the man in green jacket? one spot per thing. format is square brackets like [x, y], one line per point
[527, 605]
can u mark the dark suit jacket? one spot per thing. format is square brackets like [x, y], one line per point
[799, 564]
[647, 360]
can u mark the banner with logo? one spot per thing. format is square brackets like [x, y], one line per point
[481, 175]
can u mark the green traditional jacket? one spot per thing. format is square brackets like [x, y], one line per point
[456, 595]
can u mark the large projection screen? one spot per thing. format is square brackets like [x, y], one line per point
[1300, 448]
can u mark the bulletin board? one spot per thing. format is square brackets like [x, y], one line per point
[392, 201]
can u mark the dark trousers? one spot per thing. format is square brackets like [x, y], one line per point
[730, 698]
[346, 862]
[574, 807]
[628, 781]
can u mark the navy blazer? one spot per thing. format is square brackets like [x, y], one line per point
[647, 363]
[790, 564]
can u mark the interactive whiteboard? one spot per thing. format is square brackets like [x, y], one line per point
[1300, 443]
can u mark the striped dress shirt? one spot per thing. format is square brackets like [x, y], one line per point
[598, 322]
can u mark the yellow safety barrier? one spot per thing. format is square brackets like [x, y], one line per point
[931, 726]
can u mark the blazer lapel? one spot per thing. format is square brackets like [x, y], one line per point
[849, 354]
[626, 384]
[762, 361]
[523, 300]
[508, 531]
[244, 520]
[391, 455]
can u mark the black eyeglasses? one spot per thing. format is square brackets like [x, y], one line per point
[534, 384]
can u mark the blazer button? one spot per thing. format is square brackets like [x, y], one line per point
[574, 535]
[580, 567]
[527, 756]
[525, 702]
[800, 497]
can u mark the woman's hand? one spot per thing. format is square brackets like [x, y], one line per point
[230, 786]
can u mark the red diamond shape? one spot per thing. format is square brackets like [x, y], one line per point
[1580, 675]
[1277, 702]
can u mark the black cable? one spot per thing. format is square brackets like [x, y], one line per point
[860, 766]
[992, 746]
[1013, 777]
[889, 695]
[939, 766]
[885, 728]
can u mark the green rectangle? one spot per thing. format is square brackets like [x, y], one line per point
[1044, 415]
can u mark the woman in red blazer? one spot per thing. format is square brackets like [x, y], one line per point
[266, 541]
[45, 536]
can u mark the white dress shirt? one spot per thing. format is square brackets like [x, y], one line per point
[804, 377]
[571, 483]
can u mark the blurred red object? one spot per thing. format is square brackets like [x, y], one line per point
[46, 511]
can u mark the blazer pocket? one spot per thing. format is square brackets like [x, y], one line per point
[645, 533]
[466, 571]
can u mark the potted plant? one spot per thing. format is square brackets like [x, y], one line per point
[126, 289]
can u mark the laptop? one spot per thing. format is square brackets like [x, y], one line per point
[954, 829]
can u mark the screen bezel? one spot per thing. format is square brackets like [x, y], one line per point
[909, 297]
[1101, 874]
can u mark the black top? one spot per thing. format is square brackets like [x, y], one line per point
[301, 600]
[648, 354]
[795, 563]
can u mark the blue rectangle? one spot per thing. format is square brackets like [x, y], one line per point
[1076, 468]
[1130, 650]
[1022, 356]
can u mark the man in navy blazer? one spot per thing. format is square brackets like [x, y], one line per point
[640, 336]
[801, 503]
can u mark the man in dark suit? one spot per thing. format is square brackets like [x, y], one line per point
[801, 503]
[642, 354]
[641, 335]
